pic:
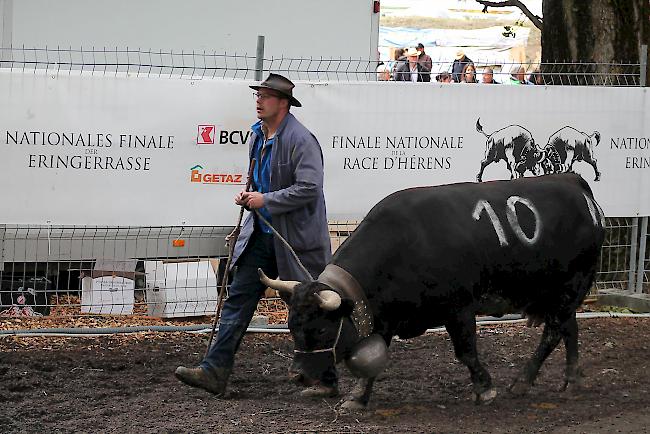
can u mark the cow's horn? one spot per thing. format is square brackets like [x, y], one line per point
[277, 284]
[329, 300]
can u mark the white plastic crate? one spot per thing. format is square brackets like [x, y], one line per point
[180, 289]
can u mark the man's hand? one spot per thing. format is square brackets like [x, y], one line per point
[253, 199]
[240, 198]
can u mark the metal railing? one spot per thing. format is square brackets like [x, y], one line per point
[173, 272]
[210, 65]
[166, 271]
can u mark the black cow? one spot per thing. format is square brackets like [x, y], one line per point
[433, 256]
[568, 145]
[515, 145]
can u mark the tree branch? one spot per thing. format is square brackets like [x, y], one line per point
[536, 20]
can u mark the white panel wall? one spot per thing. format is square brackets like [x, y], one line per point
[298, 28]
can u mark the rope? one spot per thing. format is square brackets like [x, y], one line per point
[286, 244]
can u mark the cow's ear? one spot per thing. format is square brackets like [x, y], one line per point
[346, 307]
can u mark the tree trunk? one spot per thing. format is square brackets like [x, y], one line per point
[607, 32]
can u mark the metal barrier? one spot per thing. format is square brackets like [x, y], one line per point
[206, 65]
[170, 271]
[173, 271]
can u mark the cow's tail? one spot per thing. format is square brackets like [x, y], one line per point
[597, 137]
[479, 128]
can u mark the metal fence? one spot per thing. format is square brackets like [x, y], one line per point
[172, 272]
[210, 65]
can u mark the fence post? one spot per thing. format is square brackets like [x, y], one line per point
[259, 58]
[641, 265]
[631, 277]
[2, 248]
[644, 66]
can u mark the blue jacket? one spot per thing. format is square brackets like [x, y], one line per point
[296, 202]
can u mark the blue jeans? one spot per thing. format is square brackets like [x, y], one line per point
[243, 296]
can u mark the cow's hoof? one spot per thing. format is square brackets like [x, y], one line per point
[519, 387]
[573, 387]
[320, 391]
[352, 405]
[486, 397]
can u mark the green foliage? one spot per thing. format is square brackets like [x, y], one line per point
[616, 309]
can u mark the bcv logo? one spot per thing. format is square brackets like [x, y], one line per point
[208, 135]
[205, 135]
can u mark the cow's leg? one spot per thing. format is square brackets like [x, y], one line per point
[573, 376]
[462, 331]
[550, 338]
[592, 161]
[359, 396]
[484, 164]
[571, 158]
[511, 168]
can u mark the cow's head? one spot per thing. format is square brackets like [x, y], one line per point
[590, 142]
[322, 331]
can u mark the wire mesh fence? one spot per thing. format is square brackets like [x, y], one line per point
[209, 65]
[643, 279]
[173, 272]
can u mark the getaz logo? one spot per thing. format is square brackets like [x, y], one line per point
[197, 175]
[208, 135]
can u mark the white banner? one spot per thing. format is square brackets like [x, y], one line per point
[116, 150]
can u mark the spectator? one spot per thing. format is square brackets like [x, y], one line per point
[458, 65]
[443, 77]
[383, 72]
[412, 70]
[425, 60]
[488, 76]
[399, 59]
[469, 74]
[518, 75]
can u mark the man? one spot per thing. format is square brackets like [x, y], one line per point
[383, 72]
[288, 192]
[458, 66]
[413, 70]
[425, 60]
[488, 76]
[518, 75]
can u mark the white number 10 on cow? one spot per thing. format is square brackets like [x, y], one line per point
[511, 214]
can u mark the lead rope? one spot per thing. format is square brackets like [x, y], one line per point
[286, 244]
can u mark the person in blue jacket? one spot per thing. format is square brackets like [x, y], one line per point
[287, 190]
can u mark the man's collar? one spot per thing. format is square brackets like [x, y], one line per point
[258, 127]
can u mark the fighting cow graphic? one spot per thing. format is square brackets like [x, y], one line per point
[566, 146]
[516, 146]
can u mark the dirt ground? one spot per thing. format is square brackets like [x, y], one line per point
[125, 383]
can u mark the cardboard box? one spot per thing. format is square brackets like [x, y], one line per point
[109, 287]
[181, 288]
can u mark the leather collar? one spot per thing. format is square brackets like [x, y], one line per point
[338, 279]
